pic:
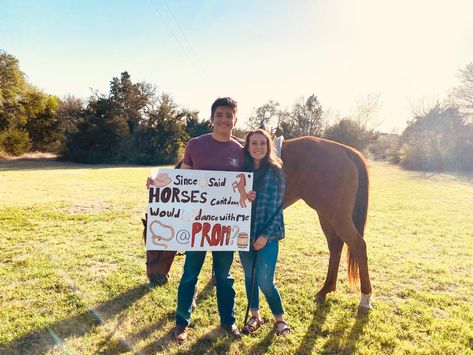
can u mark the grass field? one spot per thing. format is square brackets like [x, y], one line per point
[72, 273]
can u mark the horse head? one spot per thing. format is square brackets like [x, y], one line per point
[158, 262]
[242, 179]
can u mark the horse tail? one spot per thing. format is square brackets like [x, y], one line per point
[360, 211]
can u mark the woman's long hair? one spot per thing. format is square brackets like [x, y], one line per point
[270, 159]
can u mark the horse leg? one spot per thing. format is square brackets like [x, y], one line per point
[335, 246]
[357, 248]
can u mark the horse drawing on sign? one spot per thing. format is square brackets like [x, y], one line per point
[333, 180]
[241, 187]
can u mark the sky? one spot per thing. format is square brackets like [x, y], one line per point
[405, 51]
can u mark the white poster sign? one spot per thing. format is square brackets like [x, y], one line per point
[199, 210]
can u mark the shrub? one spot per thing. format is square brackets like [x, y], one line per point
[436, 141]
[15, 141]
[387, 145]
[350, 132]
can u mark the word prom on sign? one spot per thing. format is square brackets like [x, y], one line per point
[199, 210]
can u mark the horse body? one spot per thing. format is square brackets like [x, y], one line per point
[333, 180]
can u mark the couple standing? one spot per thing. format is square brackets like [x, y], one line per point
[218, 151]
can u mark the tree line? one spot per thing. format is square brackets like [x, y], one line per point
[133, 123]
[439, 137]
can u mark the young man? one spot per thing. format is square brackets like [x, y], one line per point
[213, 151]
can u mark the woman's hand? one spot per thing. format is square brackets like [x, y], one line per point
[260, 243]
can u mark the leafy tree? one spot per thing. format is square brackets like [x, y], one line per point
[108, 128]
[307, 117]
[130, 100]
[286, 127]
[386, 147]
[132, 124]
[351, 133]
[12, 87]
[43, 126]
[239, 133]
[162, 140]
[69, 112]
[264, 116]
[439, 140]
[195, 127]
[101, 135]
[14, 141]
[27, 114]
[462, 95]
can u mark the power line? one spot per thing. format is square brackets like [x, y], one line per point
[176, 38]
[183, 34]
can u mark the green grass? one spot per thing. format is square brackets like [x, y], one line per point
[72, 273]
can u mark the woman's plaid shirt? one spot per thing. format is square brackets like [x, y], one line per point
[269, 197]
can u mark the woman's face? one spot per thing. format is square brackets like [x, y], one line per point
[257, 147]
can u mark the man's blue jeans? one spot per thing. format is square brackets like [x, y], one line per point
[264, 276]
[222, 261]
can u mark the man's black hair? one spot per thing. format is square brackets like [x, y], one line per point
[224, 101]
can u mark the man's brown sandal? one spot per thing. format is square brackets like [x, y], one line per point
[252, 325]
[282, 328]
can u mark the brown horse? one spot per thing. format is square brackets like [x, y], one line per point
[332, 179]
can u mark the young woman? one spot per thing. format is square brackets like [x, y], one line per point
[267, 228]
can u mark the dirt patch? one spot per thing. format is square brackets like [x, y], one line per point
[30, 156]
[87, 208]
[101, 269]
[38, 163]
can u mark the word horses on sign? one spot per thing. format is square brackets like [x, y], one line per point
[199, 210]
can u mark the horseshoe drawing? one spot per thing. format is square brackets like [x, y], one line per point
[156, 238]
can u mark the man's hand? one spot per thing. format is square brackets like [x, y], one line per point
[251, 195]
[149, 181]
[260, 243]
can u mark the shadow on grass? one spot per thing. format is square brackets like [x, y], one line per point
[315, 328]
[334, 343]
[209, 344]
[263, 345]
[42, 340]
[148, 331]
[439, 175]
[159, 346]
[213, 341]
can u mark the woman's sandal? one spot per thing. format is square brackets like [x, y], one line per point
[252, 325]
[282, 328]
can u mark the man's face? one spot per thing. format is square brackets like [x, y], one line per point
[224, 119]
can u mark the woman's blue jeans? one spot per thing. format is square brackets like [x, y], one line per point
[222, 261]
[264, 276]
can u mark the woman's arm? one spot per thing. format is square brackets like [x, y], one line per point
[275, 196]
